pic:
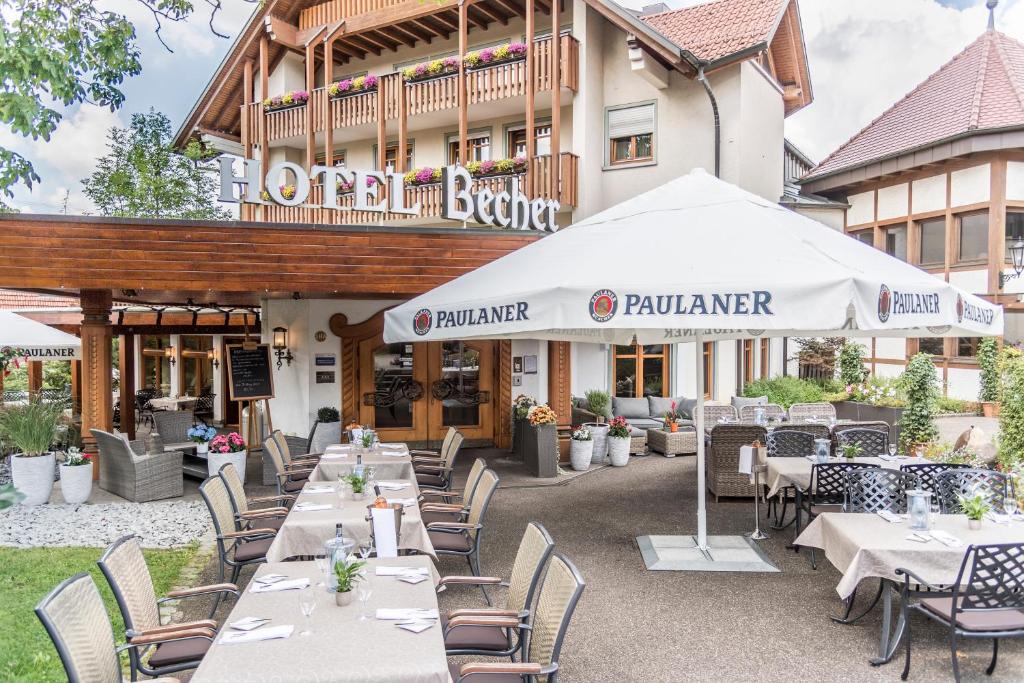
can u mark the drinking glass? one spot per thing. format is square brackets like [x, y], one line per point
[321, 564]
[892, 450]
[364, 589]
[934, 516]
[307, 603]
[365, 549]
[1010, 505]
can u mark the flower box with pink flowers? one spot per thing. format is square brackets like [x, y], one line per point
[227, 449]
[429, 175]
[494, 56]
[347, 87]
[295, 98]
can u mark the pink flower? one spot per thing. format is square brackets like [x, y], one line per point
[370, 82]
[517, 48]
[486, 166]
[421, 69]
[486, 55]
[451, 62]
[343, 86]
[425, 175]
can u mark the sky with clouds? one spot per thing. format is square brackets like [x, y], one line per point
[863, 54]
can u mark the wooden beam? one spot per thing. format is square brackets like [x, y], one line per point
[360, 41]
[97, 408]
[126, 373]
[531, 54]
[35, 376]
[264, 94]
[387, 16]
[446, 21]
[76, 388]
[556, 96]
[415, 30]
[463, 99]
[310, 86]
[491, 14]
[481, 24]
[427, 26]
[328, 123]
[403, 126]
[288, 35]
[349, 50]
[513, 8]
[399, 35]
[380, 39]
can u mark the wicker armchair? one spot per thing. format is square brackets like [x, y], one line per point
[462, 539]
[713, 413]
[815, 411]
[440, 506]
[173, 426]
[127, 472]
[434, 472]
[723, 477]
[772, 411]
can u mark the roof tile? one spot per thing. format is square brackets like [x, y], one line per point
[13, 299]
[719, 28]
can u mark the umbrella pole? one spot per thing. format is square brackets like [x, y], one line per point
[702, 513]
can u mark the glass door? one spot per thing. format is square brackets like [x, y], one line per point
[460, 390]
[392, 383]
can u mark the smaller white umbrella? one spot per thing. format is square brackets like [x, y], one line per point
[38, 341]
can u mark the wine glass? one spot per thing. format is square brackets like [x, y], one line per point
[1009, 506]
[307, 603]
[366, 549]
[321, 565]
[892, 450]
[364, 589]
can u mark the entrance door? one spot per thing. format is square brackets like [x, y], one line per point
[414, 392]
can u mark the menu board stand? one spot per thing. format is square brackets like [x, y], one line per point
[250, 380]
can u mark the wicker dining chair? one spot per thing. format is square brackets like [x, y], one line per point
[714, 413]
[559, 594]
[985, 601]
[874, 489]
[237, 547]
[202, 409]
[463, 538]
[952, 484]
[173, 426]
[826, 492]
[445, 510]
[499, 641]
[125, 569]
[772, 411]
[304, 459]
[816, 411]
[435, 473]
[77, 622]
[448, 436]
[722, 465]
[250, 517]
[872, 442]
[143, 406]
[290, 478]
[927, 471]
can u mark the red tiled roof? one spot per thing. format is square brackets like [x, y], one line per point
[719, 28]
[12, 299]
[981, 88]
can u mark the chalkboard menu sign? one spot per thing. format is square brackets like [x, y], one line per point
[249, 375]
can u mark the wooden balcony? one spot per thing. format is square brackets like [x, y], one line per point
[483, 85]
[429, 197]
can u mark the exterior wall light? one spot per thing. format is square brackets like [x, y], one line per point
[281, 347]
[1017, 257]
[172, 356]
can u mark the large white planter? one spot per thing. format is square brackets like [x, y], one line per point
[599, 434]
[618, 450]
[76, 483]
[33, 477]
[580, 454]
[214, 461]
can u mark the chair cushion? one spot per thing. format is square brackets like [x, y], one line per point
[740, 401]
[292, 486]
[252, 550]
[429, 480]
[630, 407]
[645, 423]
[179, 652]
[474, 637]
[453, 669]
[445, 517]
[984, 620]
[266, 523]
[458, 543]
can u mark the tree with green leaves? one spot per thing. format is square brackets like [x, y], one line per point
[59, 53]
[988, 361]
[1011, 410]
[143, 176]
[921, 385]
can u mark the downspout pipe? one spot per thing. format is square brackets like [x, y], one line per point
[718, 122]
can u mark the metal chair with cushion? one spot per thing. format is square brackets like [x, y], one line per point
[143, 406]
[290, 478]
[448, 436]
[126, 471]
[826, 492]
[786, 443]
[125, 569]
[723, 475]
[559, 594]
[500, 641]
[463, 538]
[772, 411]
[813, 411]
[449, 511]
[985, 601]
[77, 622]
[927, 471]
[435, 473]
[952, 484]
[872, 442]
[248, 517]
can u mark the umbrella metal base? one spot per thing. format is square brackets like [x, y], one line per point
[723, 554]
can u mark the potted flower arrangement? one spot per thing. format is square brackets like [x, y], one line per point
[426, 175]
[672, 418]
[295, 98]
[433, 69]
[201, 435]
[581, 449]
[618, 441]
[352, 86]
[348, 186]
[520, 410]
[224, 449]
[31, 429]
[347, 572]
[287, 191]
[975, 507]
[76, 476]
[540, 453]
[492, 56]
[326, 430]
[497, 167]
[356, 482]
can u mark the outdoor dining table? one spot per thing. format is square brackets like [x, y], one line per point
[304, 532]
[389, 461]
[862, 545]
[796, 471]
[170, 403]
[341, 648]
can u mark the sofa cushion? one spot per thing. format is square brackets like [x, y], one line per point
[740, 401]
[660, 406]
[630, 407]
[646, 423]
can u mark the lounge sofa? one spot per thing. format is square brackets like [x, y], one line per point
[641, 413]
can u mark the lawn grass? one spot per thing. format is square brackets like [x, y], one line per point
[28, 574]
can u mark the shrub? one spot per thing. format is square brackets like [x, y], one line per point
[1011, 410]
[946, 404]
[786, 390]
[988, 361]
[879, 391]
[600, 402]
[328, 414]
[921, 385]
[851, 363]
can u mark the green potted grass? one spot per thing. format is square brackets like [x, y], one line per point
[30, 429]
[346, 574]
[975, 507]
[357, 483]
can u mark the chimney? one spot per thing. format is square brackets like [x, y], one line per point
[656, 8]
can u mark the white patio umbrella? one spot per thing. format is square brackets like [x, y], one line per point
[38, 341]
[696, 259]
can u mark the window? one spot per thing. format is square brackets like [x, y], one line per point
[748, 361]
[896, 241]
[478, 147]
[515, 145]
[650, 363]
[391, 155]
[196, 366]
[766, 350]
[972, 244]
[337, 157]
[709, 369]
[967, 347]
[865, 236]
[631, 134]
[156, 367]
[1014, 229]
[932, 345]
[932, 250]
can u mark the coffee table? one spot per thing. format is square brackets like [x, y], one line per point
[671, 444]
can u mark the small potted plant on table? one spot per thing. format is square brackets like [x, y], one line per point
[975, 507]
[31, 429]
[346, 573]
[201, 435]
[618, 441]
[851, 450]
[76, 476]
[356, 482]
[672, 418]
[224, 449]
[581, 449]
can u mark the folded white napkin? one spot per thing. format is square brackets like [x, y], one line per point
[318, 488]
[412, 578]
[406, 613]
[886, 456]
[890, 517]
[404, 502]
[310, 507]
[812, 458]
[998, 517]
[918, 536]
[416, 626]
[392, 485]
[945, 538]
[291, 584]
[395, 454]
[337, 448]
[333, 456]
[270, 578]
[400, 571]
[248, 623]
[393, 446]
[235, 637]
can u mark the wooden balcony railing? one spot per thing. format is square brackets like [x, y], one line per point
[429, 197]
[335, 10]
[438, 94]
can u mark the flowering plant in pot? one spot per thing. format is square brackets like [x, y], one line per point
[347, 572]
[522, 404]
[295, 98]
[11, 359]
[201, 435]
[492, 56]
[581, 448]
[352, 86]
[224, 449]
[349, 186]
[672, 418]
[975, 506]
[31, 429]
[75, 476]
[541, 415]
[431, 69]
[618, 441]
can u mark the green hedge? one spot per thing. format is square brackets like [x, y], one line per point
[786, 390]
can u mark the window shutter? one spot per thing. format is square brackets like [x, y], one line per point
[631, 121]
